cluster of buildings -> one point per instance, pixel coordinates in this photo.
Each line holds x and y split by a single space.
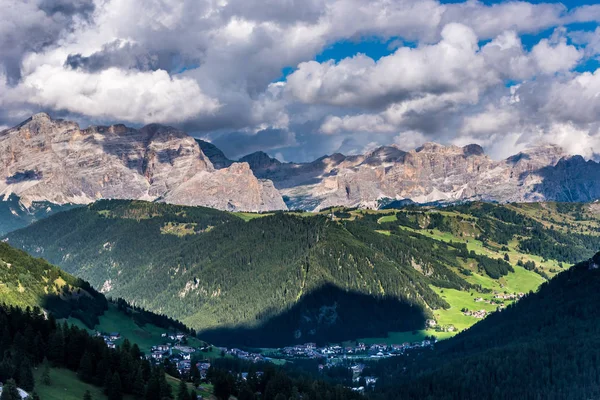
244 355
511 296
476 314
370 382
109 338
498 300
176 352
360 350
499 297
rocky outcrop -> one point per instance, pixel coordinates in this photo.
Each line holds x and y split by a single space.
433 173
261 161
50 160
216 156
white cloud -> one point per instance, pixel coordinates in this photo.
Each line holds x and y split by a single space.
129 96
209 66
554 58
360 81
409 140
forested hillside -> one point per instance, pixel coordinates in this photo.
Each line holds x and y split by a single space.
29 282
237 274
543 347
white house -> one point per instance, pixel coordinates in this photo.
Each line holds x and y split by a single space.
23 393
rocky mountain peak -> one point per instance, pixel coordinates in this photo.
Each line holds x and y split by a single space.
41 117
545 154
473 150
436 148
260 160
54 160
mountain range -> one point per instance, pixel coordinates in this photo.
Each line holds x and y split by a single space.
57 162
47 160
430 173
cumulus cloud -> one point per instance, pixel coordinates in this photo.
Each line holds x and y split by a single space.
32 26
215 67
407 73
129 96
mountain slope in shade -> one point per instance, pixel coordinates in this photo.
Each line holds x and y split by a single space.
218 159
15 215
543 347
55 161
430 173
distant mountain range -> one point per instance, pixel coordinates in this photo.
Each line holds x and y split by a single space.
55 161
430 173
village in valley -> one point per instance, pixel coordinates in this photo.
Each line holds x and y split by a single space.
176 350
187 355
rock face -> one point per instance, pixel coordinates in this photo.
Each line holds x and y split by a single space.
432 173
216 156
55 161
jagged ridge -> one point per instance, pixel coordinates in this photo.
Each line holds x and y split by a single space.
54 160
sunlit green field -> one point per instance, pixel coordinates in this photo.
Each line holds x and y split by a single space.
145 337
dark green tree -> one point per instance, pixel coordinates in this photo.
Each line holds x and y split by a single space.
86 368
115 391
46 373
26 381
182 392
138 388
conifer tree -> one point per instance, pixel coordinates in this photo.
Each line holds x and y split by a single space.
182 393
138 388
115 391
56 347
46 372
86 368
195 374
26 381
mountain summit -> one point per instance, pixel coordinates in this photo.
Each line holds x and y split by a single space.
44 159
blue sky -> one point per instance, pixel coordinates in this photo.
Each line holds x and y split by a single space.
376 48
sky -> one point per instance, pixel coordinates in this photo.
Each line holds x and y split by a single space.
303 78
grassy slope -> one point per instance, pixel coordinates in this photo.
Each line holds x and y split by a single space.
145 337
65 385
519 281
551 335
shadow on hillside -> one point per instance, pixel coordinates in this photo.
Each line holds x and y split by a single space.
328 314
86 306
